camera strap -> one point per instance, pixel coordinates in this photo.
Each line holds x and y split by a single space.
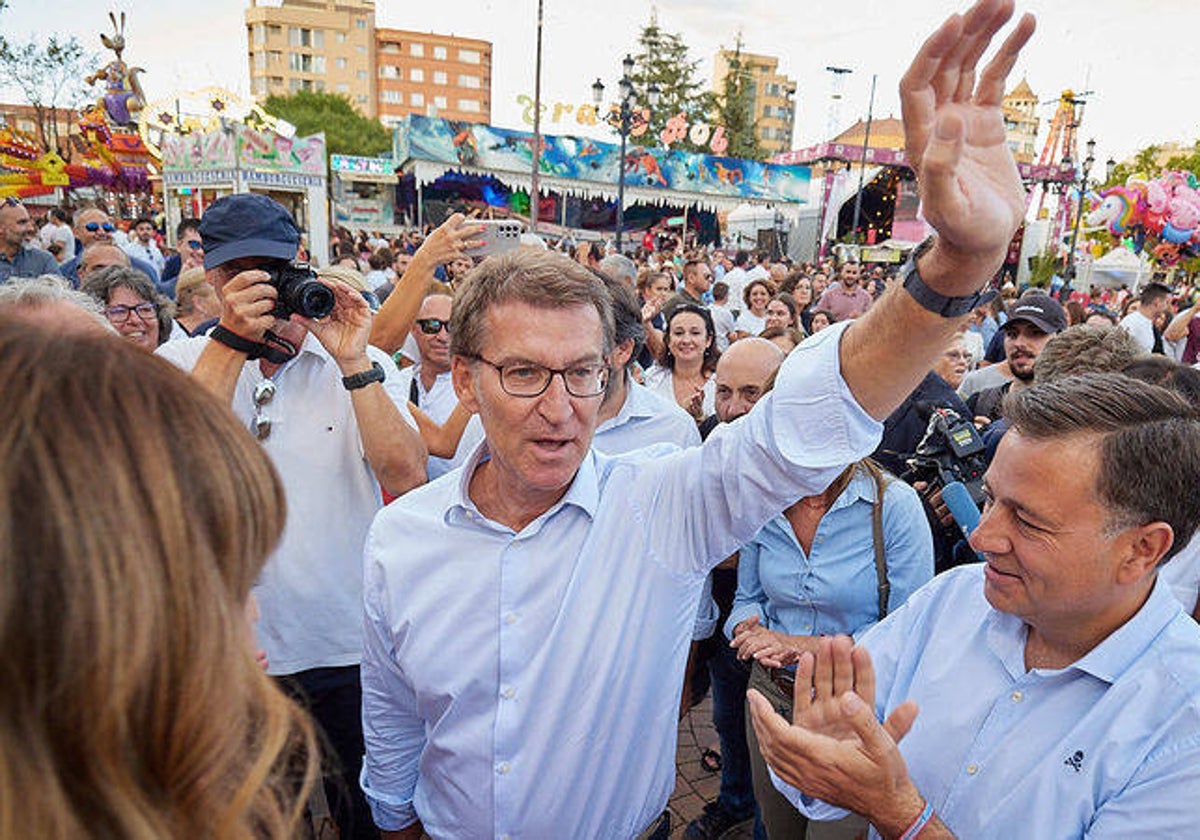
274 349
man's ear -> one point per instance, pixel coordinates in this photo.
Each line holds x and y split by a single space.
621 354
1147 545
462 374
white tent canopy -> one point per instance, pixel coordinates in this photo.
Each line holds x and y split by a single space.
1119 267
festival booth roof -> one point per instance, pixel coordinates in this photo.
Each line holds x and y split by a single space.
850 153
429 147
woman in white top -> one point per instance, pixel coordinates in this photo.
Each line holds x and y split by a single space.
753 319
685 371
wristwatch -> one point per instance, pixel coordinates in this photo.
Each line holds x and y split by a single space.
364 378
939 304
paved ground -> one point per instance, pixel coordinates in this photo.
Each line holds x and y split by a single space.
695 786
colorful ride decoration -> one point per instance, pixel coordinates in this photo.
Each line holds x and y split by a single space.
109 153
1160 216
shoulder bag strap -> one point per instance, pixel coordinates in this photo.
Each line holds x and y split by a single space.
885 588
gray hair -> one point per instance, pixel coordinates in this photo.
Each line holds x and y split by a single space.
36 292
100 284
542 279
619 267
1149 449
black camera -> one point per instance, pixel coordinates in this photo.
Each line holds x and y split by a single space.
300 291
951 450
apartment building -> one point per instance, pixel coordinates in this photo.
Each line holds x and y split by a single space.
773 96
436 75
326 45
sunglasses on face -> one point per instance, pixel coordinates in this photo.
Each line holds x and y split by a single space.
92 227
195 244
433 326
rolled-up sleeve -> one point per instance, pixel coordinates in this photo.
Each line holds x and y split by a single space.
794 443
750 600
393 733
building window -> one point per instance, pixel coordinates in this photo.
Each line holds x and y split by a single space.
274 31
393 97
416 74
439 101
259 33
362 98
260 61
416 99
469 105
388 71
340 37
361 74
260 86
469 56
300 62
360 23
467 81
343 88
439 53
318 39
341 64
416 50
390 47
439 77
318 64
299 84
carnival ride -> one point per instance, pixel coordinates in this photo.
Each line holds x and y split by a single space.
107 154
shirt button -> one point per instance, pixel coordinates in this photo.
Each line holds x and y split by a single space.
510 618
509 693
503 767
1017 696
972 769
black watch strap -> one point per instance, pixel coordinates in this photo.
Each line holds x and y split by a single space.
939 304
361 380
232 340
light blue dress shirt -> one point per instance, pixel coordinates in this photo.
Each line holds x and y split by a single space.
526 685
1108 747
835 588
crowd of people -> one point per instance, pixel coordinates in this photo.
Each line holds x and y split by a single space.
451 554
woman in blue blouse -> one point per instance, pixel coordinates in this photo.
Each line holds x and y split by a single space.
812 572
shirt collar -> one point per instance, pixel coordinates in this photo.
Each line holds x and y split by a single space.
1114 656
583 492
1108 660
635 407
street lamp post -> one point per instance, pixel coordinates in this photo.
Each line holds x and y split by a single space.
1083 180
625 119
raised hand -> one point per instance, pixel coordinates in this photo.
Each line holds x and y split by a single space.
344 332
970 190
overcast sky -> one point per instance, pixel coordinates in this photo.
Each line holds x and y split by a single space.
1133 55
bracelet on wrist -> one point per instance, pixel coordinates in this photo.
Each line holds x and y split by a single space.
919 823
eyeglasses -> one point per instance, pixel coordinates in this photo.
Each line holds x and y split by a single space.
958 354
120 314
433 326
92 227
528 380
12 201
195 244
264 392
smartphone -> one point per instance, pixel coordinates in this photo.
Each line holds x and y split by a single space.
498 236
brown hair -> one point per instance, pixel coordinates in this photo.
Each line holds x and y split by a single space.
542 279
132 705
1149 464
1085 348
186 286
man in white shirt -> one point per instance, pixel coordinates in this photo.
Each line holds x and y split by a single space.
326 408
142 245
1139 323
543 617
427 383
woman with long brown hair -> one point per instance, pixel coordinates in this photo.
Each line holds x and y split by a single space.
135 514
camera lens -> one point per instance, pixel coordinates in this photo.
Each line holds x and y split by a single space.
313 299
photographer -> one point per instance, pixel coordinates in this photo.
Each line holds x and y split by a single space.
327 410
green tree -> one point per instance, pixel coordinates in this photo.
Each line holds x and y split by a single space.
347 132
1145 162
735 109
662 59
1189 162
49 73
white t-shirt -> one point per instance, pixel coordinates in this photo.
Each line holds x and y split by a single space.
750 323
1141 328
310 592
724 323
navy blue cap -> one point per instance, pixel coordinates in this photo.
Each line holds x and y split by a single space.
247 225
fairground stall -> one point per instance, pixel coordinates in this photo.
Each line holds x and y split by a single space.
364 193
447 166
214 144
